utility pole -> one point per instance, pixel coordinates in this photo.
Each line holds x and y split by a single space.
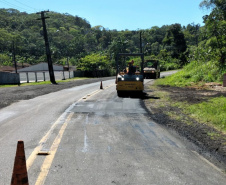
14 57
140 42
48 53
68 67
196 35
142 56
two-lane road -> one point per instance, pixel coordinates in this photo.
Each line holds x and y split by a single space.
94 137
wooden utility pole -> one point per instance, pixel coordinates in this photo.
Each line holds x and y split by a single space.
48 53
141 50
142 55
68 67
14 57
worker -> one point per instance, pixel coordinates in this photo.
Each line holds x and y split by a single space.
132 69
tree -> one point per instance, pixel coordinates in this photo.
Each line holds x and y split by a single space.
215 4
71 36
175 43
5 40
215 24
93 62
191 34
118 45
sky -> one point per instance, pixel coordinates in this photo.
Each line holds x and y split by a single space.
119 14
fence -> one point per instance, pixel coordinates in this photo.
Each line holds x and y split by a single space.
44 76
9 78
26 77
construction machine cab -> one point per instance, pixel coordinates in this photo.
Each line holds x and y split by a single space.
130 79
151 69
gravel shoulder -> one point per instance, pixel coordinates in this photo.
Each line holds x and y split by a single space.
9 95
211 146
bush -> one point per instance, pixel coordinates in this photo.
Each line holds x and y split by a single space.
169 64
5 60
195 72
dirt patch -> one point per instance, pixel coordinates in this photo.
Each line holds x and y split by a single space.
192 95
207 138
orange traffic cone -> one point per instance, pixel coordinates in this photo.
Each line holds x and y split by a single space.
19 176
101 86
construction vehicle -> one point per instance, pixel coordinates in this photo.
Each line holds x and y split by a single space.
130 79
151 69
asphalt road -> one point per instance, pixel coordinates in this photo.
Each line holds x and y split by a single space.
94 137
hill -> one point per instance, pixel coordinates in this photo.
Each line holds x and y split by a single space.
72 37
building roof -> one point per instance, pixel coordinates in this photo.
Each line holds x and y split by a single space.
7 68
12 68
41 67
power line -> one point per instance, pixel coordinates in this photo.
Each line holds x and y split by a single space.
25 5
15 6
12 5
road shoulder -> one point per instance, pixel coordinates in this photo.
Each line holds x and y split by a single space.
211 145
11 95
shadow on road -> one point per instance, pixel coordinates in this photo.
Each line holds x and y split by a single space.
136 95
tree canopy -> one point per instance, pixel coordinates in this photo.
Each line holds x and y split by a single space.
73 38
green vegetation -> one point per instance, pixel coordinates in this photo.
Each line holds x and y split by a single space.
207 55
195 73
73 38
201 49
213 111
207 59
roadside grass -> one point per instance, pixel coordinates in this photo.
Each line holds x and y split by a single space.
2 86
195 73
45 82
213 135
211 112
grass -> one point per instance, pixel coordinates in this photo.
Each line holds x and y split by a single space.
195 73
213 135
211 112
44 82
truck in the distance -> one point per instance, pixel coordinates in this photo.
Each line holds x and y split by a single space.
151 69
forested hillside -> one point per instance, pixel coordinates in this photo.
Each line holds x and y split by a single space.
207 58
73 38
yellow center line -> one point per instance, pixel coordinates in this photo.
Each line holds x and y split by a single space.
96 92
55 145
49 159
33 155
